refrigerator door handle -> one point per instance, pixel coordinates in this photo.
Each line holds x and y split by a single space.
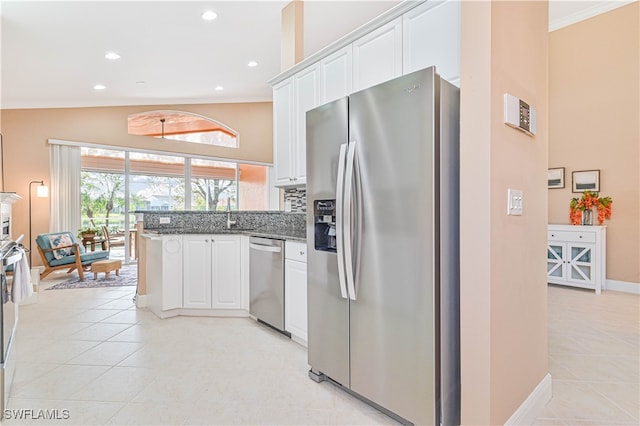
348 241
340 221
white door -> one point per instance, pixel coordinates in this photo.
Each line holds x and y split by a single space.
225 270
197 271
377 57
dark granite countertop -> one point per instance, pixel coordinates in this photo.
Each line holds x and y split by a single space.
269 232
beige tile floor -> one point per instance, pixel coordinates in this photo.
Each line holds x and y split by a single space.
594 358
92 353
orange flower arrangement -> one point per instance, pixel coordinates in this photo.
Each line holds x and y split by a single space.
589 200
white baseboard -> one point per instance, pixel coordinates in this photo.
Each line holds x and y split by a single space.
624 286
533 405
141 301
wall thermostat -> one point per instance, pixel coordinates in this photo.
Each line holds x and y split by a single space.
519 114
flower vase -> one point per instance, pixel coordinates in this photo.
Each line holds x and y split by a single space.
587 217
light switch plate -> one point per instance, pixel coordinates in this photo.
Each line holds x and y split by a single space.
514 202
287 206
165 220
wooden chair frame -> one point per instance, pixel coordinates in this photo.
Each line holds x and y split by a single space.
70 266
111 240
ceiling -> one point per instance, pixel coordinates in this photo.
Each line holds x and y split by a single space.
52 52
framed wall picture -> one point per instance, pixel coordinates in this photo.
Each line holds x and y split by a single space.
555 178
586 180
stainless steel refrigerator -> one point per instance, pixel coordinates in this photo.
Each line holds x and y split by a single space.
383 246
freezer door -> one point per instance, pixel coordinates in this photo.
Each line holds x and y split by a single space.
393 338
328 311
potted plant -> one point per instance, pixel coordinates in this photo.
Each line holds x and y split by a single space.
581 209
88 232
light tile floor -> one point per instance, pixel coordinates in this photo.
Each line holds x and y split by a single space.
92 353
594 358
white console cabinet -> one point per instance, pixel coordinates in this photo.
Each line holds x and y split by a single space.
576 256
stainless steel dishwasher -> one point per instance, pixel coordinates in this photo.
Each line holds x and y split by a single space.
266 281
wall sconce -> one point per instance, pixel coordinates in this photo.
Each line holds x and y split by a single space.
42 191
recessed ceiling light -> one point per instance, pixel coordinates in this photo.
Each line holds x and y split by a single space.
209 15
218 88
112 55
99 87
252 64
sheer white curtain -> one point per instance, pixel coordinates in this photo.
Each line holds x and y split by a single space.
65 188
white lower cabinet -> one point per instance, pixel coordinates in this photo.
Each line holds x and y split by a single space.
295 293
211 272
163 272
576 256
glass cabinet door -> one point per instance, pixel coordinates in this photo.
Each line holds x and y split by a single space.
555 260
581 264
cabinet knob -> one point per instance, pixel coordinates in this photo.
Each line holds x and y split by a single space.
579 236
553 235
206 241
301 253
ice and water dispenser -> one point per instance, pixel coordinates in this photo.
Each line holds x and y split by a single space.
324 219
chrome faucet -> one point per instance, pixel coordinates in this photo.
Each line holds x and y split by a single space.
229 221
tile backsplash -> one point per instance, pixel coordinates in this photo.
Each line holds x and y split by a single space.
298 199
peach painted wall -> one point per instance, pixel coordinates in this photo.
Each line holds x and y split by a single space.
594 123
503 279
27 152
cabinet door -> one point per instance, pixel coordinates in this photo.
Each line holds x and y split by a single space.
377 57
307 96
197 271
431 36
336 75
581 263
295 317
556 262
283 119
225 270
171 272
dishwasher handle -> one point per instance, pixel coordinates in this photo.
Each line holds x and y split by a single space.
260 247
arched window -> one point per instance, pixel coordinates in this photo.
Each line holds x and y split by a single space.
182 126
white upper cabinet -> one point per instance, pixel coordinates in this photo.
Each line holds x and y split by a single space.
413 36
431 36
336 75
283 131
307 96
377 57
292 99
